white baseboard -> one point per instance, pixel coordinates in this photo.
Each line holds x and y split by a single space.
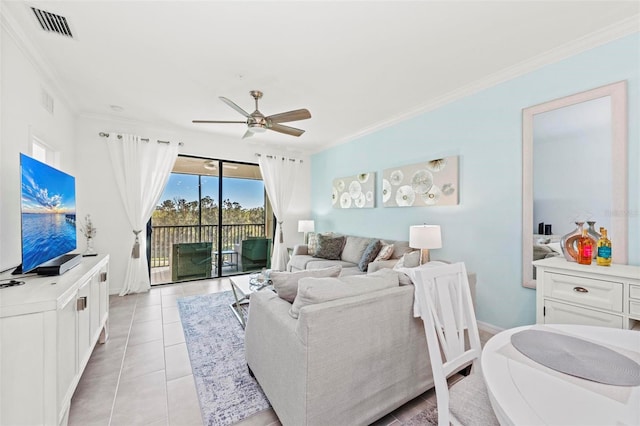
489 328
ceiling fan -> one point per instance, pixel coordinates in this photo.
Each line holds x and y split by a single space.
258 123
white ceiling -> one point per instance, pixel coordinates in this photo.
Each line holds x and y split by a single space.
356 66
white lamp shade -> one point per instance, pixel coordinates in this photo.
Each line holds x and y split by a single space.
425 237
306 226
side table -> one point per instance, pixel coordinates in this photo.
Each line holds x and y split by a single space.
242 287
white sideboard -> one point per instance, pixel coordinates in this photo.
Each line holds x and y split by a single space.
570 293
48 329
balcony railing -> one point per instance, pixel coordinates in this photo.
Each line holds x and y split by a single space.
163 237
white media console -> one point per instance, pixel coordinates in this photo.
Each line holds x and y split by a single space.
48 329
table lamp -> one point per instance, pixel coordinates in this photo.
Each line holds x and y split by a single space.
425 237
306 226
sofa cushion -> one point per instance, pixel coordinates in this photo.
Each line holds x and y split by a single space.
376 265
300 261
384 275
407 275
369 254
329 247
385 253
286 283
354 247
318 290
318 263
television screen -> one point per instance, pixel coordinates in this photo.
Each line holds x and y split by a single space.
48 213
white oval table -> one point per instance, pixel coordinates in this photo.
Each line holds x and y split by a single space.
523 392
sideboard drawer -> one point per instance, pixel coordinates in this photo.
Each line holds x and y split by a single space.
634 291
562 313
584 291
634 308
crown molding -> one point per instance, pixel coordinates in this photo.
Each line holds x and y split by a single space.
597 38
10 24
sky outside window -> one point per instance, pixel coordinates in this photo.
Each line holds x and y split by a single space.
249 193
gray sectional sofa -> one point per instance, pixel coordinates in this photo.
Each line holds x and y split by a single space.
347 361
352 252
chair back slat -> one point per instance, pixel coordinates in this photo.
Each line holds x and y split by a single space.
443 300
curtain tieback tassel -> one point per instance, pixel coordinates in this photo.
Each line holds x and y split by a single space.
135 252
281 233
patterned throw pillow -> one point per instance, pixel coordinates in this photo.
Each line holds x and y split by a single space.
385 252
369 254
312 245
329 247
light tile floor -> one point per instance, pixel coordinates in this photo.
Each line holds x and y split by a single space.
142 374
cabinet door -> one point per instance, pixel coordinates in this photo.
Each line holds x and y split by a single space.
84 324
104 293
94 306
562 313
67 350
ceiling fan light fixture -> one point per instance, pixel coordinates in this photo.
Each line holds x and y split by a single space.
257 128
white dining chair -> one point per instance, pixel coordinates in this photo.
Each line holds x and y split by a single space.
443 300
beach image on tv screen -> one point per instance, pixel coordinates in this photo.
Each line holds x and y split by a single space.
48 213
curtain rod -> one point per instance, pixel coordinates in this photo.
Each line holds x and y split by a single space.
106 135
273 156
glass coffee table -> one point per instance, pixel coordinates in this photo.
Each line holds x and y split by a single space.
242 287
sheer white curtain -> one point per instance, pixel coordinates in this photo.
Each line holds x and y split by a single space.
279 175
141 170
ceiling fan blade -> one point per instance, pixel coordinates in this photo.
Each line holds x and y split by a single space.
214 121
234 106
284 117
247 134
286 130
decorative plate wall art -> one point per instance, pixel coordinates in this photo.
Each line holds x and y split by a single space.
430 183
354 192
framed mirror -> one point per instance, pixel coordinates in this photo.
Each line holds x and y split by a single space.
574 168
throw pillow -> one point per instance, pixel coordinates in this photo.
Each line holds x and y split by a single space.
312 244
318 290
286 283
385 252
329 247
409 260
369 255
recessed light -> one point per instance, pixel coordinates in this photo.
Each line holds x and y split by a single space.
116 108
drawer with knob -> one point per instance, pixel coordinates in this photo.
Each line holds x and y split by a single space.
595 293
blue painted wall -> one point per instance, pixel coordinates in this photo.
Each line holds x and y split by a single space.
484 129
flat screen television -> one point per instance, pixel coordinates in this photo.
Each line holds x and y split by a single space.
48 213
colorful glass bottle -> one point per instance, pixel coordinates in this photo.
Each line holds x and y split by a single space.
594 235
604 249
585 249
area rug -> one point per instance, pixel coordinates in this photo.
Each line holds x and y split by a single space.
215 342
427 417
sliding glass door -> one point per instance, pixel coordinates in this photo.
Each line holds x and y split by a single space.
212 221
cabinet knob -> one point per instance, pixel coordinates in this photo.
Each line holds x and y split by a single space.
580 290
103 277
81 303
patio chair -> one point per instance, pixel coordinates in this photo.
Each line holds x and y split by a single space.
255 254
443 300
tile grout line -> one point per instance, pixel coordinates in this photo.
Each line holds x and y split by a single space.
124 353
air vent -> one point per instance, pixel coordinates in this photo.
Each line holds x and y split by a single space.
52 22
47 101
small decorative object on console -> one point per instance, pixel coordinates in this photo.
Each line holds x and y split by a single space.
603 256
593 234
89 231
585 249
568 243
